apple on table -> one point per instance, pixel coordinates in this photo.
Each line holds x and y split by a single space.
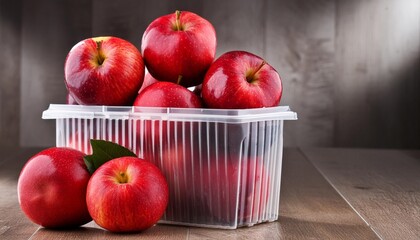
52 188
127 194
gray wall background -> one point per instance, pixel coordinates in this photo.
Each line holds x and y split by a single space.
351 69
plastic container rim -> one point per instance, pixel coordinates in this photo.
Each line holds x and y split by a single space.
62 111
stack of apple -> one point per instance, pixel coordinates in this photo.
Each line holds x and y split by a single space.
178 50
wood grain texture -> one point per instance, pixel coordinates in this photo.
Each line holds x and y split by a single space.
49 30
10 39
382 186
309 209
377 74
93 231
300 44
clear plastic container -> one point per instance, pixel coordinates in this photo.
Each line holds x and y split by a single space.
223 167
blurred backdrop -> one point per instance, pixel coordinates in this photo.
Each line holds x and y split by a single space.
350 69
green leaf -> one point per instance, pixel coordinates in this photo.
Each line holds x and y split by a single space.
103 151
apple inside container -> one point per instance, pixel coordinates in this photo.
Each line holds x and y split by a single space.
211 176
231 191
177 163
211 181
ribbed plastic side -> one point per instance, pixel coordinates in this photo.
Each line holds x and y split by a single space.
221 175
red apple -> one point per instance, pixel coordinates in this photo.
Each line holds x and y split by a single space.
167 94
179 48
148 80
104 71
127 194
240 79
52 188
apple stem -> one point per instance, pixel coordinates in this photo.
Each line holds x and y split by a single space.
259 67
177 22
250 76
179 79
100 58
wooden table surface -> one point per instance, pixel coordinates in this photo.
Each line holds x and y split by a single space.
325 194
